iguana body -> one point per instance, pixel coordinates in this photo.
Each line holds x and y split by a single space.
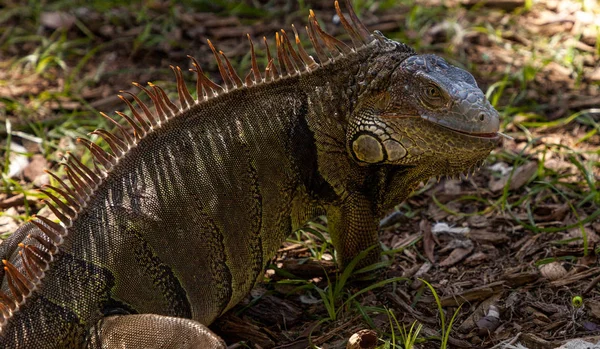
179 226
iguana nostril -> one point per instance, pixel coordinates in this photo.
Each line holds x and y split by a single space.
481 117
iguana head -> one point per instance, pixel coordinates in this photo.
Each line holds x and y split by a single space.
423 113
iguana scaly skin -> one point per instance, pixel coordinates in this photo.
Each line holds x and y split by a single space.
174 226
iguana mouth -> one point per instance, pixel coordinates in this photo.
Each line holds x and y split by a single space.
486 135
491 136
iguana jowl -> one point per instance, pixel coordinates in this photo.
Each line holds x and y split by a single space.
175 225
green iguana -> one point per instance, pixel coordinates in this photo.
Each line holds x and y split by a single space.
175 224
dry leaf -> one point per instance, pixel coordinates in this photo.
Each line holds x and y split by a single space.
520 177
456 256
428 240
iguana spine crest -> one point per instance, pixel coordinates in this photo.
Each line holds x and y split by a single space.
84 181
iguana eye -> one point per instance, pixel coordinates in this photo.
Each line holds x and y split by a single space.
432 96
433 92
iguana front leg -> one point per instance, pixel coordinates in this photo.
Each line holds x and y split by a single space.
354 226
152 331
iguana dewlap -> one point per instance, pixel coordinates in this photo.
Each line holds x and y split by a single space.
175 224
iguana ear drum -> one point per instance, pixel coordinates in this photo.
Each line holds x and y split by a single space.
368 148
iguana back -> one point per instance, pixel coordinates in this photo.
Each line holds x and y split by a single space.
174 226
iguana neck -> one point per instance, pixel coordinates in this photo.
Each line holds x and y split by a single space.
332 94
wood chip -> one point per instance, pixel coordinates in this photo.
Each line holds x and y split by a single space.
308 269
457 255
474 294
487 237
576 277
15 201
523 278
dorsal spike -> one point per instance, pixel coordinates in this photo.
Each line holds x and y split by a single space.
138 132
334 45
104 158
36 259
151 118
224 75
63 218
309 62
282 57
257 77
165 101
5 312
115 144
159 103
201 91
36 267
66 209
126 136
85 173
49 245
27 266
89 173
80 187
8 301
204 81
67 188
14 289
70 200
248 80
41 253
140 120
362 31
162 115
269 74
274 71
237 82
288 46
185 98
53 230
21 282
99 172
356 39
312 36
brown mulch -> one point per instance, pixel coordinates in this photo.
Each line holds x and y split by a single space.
485 259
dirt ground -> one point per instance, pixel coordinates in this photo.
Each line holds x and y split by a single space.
515 244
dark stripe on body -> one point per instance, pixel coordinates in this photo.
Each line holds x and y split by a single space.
163 278
255 214
302 146
221 275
